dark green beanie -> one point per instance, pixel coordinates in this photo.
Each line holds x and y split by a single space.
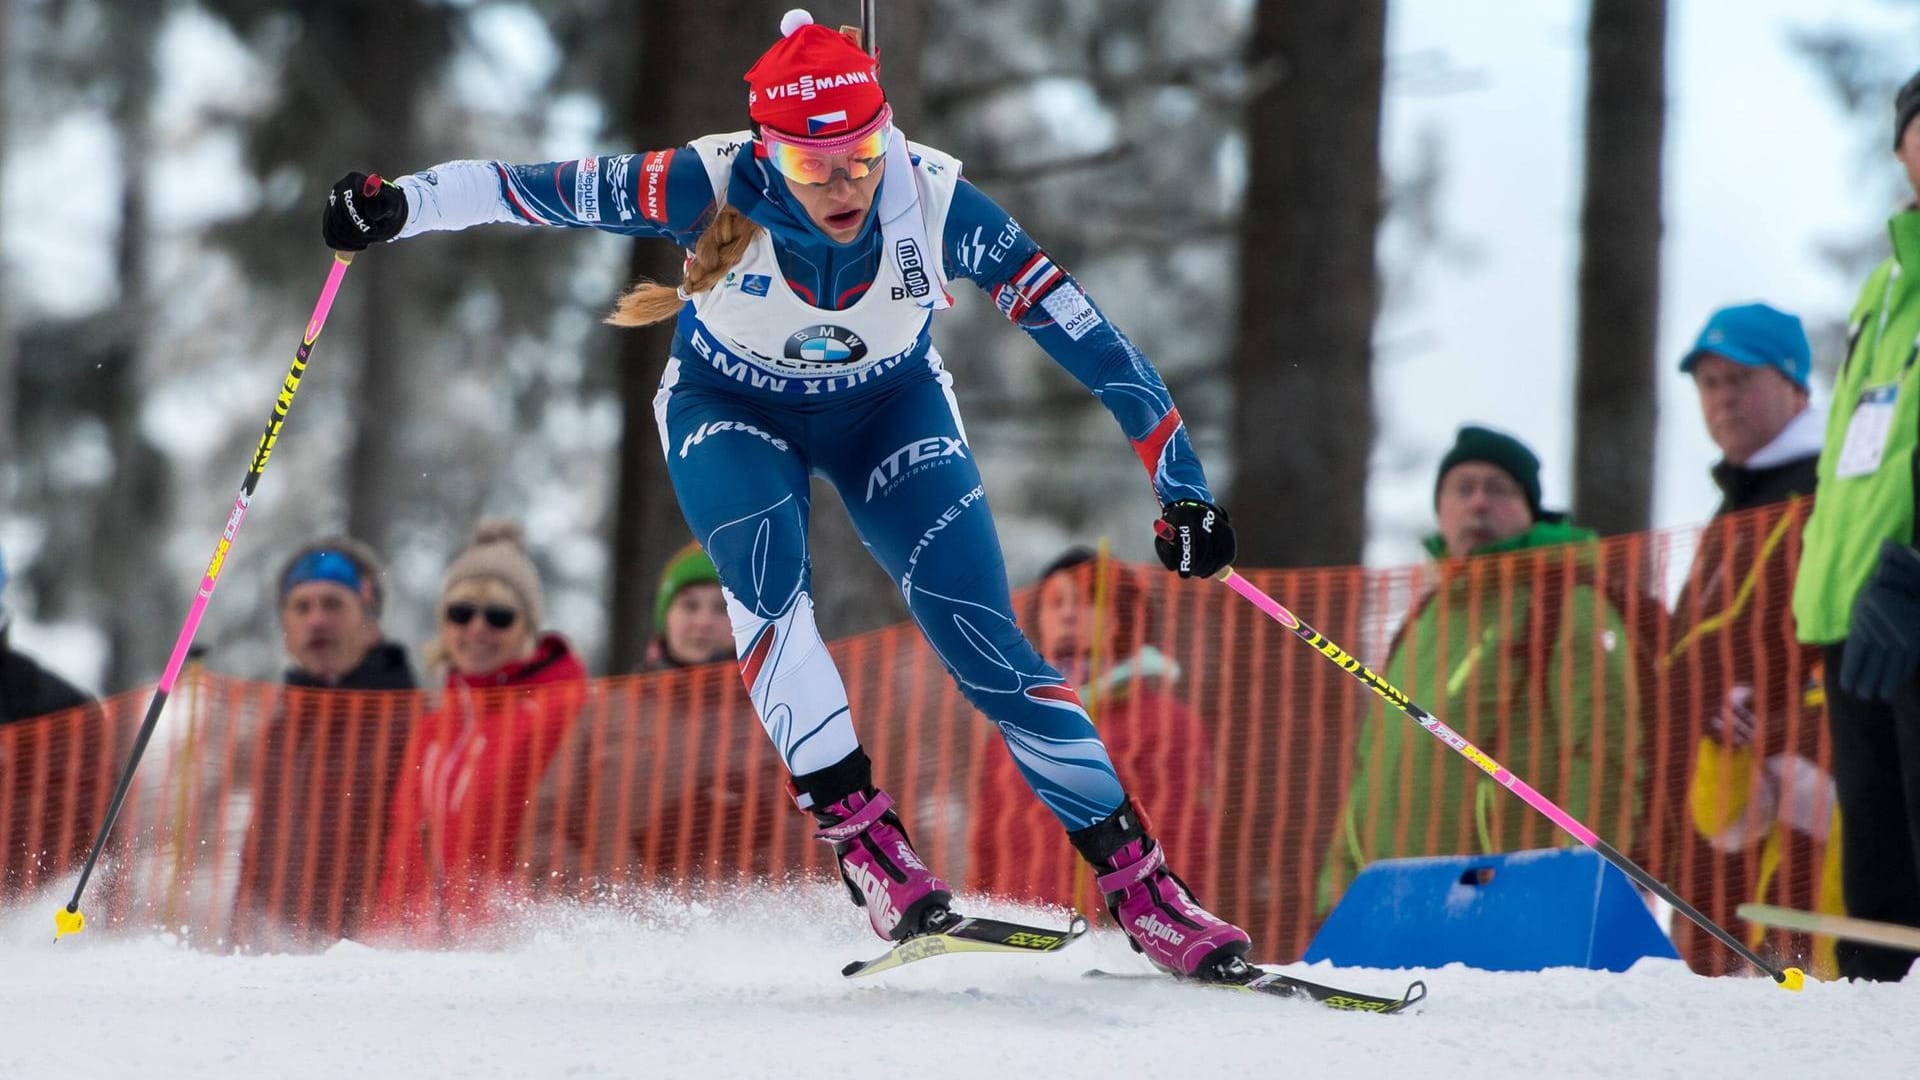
1503 452
1906 105
689 566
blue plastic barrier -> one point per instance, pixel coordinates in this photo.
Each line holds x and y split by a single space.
1524 911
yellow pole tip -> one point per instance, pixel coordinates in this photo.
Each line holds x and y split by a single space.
66 921
1793 979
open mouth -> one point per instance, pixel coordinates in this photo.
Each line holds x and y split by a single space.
845 218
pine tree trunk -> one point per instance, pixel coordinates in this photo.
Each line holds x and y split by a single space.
9 342
386 84
1303 421
129 598
685 84
1619 288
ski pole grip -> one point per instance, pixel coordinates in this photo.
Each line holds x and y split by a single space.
372 187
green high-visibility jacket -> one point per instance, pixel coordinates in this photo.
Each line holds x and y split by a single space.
1853 514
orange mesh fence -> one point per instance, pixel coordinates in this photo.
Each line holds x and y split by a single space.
1649 684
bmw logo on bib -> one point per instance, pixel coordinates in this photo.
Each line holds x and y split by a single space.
826 345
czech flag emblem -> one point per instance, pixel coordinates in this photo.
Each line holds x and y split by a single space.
826 123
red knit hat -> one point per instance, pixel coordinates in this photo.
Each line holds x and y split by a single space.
814 82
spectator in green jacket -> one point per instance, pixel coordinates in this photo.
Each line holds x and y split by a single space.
1858 590
1523 655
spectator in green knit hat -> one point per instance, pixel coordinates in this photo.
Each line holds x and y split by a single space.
690 620
1487 493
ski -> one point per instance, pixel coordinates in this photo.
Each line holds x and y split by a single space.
964 934
1250 979
1890 935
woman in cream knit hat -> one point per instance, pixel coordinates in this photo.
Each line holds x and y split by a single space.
512 692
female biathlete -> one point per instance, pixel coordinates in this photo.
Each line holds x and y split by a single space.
820 244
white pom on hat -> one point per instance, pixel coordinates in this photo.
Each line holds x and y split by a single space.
794 20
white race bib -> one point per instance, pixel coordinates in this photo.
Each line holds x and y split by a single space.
1867 432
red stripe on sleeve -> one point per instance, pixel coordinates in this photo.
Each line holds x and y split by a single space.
1150 447
506 182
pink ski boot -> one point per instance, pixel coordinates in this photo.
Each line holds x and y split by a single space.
877 861
1153 906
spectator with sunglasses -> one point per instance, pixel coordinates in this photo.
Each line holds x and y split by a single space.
324 754
820 245
511 692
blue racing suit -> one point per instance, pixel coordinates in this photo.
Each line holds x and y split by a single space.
799 364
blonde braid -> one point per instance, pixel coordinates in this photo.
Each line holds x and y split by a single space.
718 251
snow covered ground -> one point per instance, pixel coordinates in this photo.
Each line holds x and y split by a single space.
751 988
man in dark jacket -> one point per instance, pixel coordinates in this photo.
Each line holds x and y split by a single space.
28 690
53 772
327 760
1746 705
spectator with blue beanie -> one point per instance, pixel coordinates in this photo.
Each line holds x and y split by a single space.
1750 365
326 754
330 599
1745 700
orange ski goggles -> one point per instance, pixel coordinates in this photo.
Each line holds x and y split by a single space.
817 161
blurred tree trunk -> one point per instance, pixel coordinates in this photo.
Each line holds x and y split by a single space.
1620 225
9 344
382 83
1303 421
684 83
127 601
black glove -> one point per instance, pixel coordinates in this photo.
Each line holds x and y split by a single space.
1194 538
1883 641
362 210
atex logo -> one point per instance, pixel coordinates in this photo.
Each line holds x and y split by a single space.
918 454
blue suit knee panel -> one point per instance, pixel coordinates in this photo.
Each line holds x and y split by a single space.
762 557
1047 730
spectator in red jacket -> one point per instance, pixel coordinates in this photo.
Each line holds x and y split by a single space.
511 694
1160 749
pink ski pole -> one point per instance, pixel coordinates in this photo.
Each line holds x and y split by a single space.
69 920
1790 978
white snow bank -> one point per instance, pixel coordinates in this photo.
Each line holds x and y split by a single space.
672 988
